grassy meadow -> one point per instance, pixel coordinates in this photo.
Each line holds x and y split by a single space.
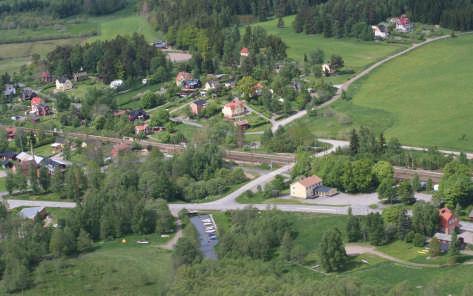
423 98
23 43
357 54
112 269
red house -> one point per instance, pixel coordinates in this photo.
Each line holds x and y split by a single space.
244 52
448 221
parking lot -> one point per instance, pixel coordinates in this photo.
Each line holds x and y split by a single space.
207 230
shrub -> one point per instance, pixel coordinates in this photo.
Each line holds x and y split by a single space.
419 240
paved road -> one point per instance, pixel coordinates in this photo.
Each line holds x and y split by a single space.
15 203
229 202
343 87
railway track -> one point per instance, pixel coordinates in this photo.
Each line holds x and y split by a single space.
233 155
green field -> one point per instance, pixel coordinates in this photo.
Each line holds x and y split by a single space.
423 98
14 55
113 269
112 27
357 54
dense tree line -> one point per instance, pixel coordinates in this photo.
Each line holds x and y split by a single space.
394 224
61 8
341 18
126 58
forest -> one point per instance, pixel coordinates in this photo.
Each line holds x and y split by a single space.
61 8
126 58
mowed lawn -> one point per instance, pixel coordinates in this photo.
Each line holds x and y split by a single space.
357 54
109 28
113 269
427 93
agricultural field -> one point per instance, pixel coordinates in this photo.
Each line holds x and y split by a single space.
422 98
113 268
41 41
357 54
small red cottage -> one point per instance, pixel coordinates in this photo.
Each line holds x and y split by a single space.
181 77
244 52
448 221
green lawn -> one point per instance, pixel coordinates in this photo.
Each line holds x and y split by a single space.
357 54
113 269
423 98
60 31
2 185
127 25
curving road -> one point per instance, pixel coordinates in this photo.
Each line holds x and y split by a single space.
348 83
229 202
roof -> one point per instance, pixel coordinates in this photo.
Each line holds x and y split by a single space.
200 102
54 162
235 103
244 50
141 127
36 101
63 79
402 20
467 237
324 189
30 213
445 214
183 76
23 156
8 154
443 237
310 181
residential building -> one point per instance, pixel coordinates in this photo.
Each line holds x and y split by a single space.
311 187
403 24
197 106
448 221
212 85
138 114
181 77
55 164
379 32
9 90
242 124
191 84
160 44
35 102
234 108
143 129
28 94
63 84
11 133
81 75
46 77
244 52
327 69
38 108
115 84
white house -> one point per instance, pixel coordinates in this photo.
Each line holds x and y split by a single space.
378 33
63 84
10 90
116 84
234 108
327 69
311 187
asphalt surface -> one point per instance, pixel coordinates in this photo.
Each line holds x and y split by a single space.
207 245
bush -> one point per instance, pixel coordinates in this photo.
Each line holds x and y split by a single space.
419 240
410 237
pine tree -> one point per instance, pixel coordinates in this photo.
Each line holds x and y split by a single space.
354 142
353 227
84 242
286 246
44 178
333 256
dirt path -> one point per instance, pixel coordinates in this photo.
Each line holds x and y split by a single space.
173 241
355 249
